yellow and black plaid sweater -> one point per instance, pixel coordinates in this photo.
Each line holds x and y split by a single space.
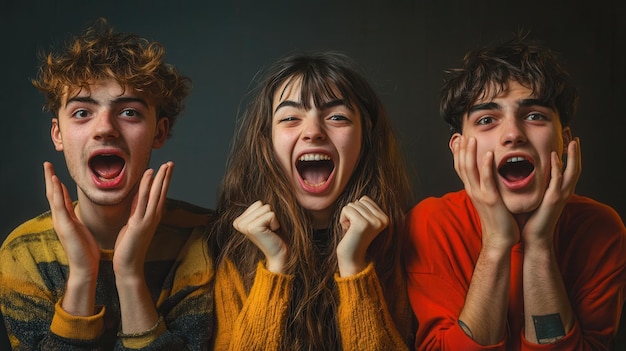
179 274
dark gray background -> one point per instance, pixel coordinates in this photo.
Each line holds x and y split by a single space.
403 47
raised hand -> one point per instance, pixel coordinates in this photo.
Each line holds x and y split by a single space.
259 224
540 227
361 221
134 238
81 249
500 230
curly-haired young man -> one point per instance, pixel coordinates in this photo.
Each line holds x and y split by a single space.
123 267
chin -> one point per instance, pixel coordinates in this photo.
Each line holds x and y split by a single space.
521 206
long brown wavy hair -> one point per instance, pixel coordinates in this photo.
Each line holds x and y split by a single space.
101 53
254 173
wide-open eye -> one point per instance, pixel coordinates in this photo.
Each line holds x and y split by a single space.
485 120
130 113
81 114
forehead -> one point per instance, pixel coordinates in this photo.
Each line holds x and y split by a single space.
309 93
290 89
512 89
103 89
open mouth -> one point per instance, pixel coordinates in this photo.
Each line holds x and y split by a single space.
516 168
315 169
107 167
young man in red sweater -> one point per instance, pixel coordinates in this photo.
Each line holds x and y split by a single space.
516 260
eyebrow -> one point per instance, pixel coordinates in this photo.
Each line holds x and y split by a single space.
299 105
119 100
496 106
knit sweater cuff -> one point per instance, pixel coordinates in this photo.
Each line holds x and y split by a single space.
265 311
361 301
364 317
271 288
77 327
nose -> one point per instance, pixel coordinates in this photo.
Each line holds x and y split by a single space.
513 132
313 130
106 126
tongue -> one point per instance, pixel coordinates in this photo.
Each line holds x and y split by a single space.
513 177
517 171
107 167
314 175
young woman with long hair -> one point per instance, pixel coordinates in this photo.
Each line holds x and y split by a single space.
311 216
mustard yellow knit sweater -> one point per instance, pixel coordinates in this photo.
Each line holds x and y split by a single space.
255 321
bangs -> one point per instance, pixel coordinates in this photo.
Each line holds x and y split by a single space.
319 88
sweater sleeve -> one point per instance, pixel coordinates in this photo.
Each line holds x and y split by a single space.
364 319
33 271
30 297
185 303
591 245
255 321
439 263
590 242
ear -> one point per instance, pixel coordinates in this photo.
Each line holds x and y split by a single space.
161 132
453 139
567 137
55 134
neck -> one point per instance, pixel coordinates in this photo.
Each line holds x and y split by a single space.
521 219
103 222
320 218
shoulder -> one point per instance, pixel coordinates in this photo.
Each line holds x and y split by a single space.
36 230
450 218
183 214
455 203
581 210
587 224
33 242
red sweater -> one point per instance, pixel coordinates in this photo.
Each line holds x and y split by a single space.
445 240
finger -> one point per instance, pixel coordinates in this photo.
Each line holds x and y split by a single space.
486 172
373 210
251 218
158 190
347 217
143 194
54 193
69 204
246 214
48 171
262 223
166 184
460 161
470 166
456 149
556 174
574 165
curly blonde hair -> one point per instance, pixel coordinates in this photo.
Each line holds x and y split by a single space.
100 53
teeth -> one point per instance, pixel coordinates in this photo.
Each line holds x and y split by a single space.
515 159
314 157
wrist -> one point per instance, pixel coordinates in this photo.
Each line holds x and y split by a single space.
79 298
350 266
276 262
129 281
